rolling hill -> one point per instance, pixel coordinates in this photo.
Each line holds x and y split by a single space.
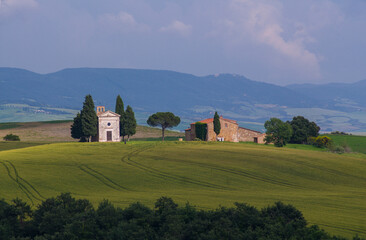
340 96
33 97
328 188
59 131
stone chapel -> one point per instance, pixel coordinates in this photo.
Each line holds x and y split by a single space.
108 125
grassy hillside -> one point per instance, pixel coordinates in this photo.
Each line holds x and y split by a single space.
328 188
16 145
59 131
356 143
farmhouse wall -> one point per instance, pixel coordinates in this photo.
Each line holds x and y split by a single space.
191 133
247 135
229 131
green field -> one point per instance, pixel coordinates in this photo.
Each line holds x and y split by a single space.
328 188
356 143
16 145
9 125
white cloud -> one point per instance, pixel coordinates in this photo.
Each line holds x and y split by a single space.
7 7
262 22
178 27
122 21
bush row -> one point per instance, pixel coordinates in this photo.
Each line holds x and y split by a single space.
64 217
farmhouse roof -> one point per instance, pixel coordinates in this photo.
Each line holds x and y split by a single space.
251 130
210 120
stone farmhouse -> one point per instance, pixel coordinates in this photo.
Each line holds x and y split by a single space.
108 126
230 132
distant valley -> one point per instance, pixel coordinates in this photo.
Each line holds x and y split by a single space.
29 96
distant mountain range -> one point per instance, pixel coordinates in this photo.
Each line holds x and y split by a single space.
29 96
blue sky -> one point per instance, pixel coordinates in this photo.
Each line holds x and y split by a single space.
280 42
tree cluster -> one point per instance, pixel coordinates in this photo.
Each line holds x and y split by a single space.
299 131
302 130
85 125
340 133
277 132
64 217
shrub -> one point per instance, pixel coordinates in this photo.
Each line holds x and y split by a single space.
323 141
11 137
311 140
347 148
344 148
339 149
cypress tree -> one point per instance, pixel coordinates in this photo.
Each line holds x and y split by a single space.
216 123
120 110
76 130
89 119
129 122
123 126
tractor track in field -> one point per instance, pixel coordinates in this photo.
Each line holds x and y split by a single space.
28 189
242 173
331 171
127 159
102 178
345 229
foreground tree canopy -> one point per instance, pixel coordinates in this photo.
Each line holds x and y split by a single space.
65 217
164 120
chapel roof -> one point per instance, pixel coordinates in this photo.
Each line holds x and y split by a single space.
108 113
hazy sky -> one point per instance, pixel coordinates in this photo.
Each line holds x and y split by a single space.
281 42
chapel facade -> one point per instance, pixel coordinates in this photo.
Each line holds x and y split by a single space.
108 125
230 132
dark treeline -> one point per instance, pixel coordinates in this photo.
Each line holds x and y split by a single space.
65 217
